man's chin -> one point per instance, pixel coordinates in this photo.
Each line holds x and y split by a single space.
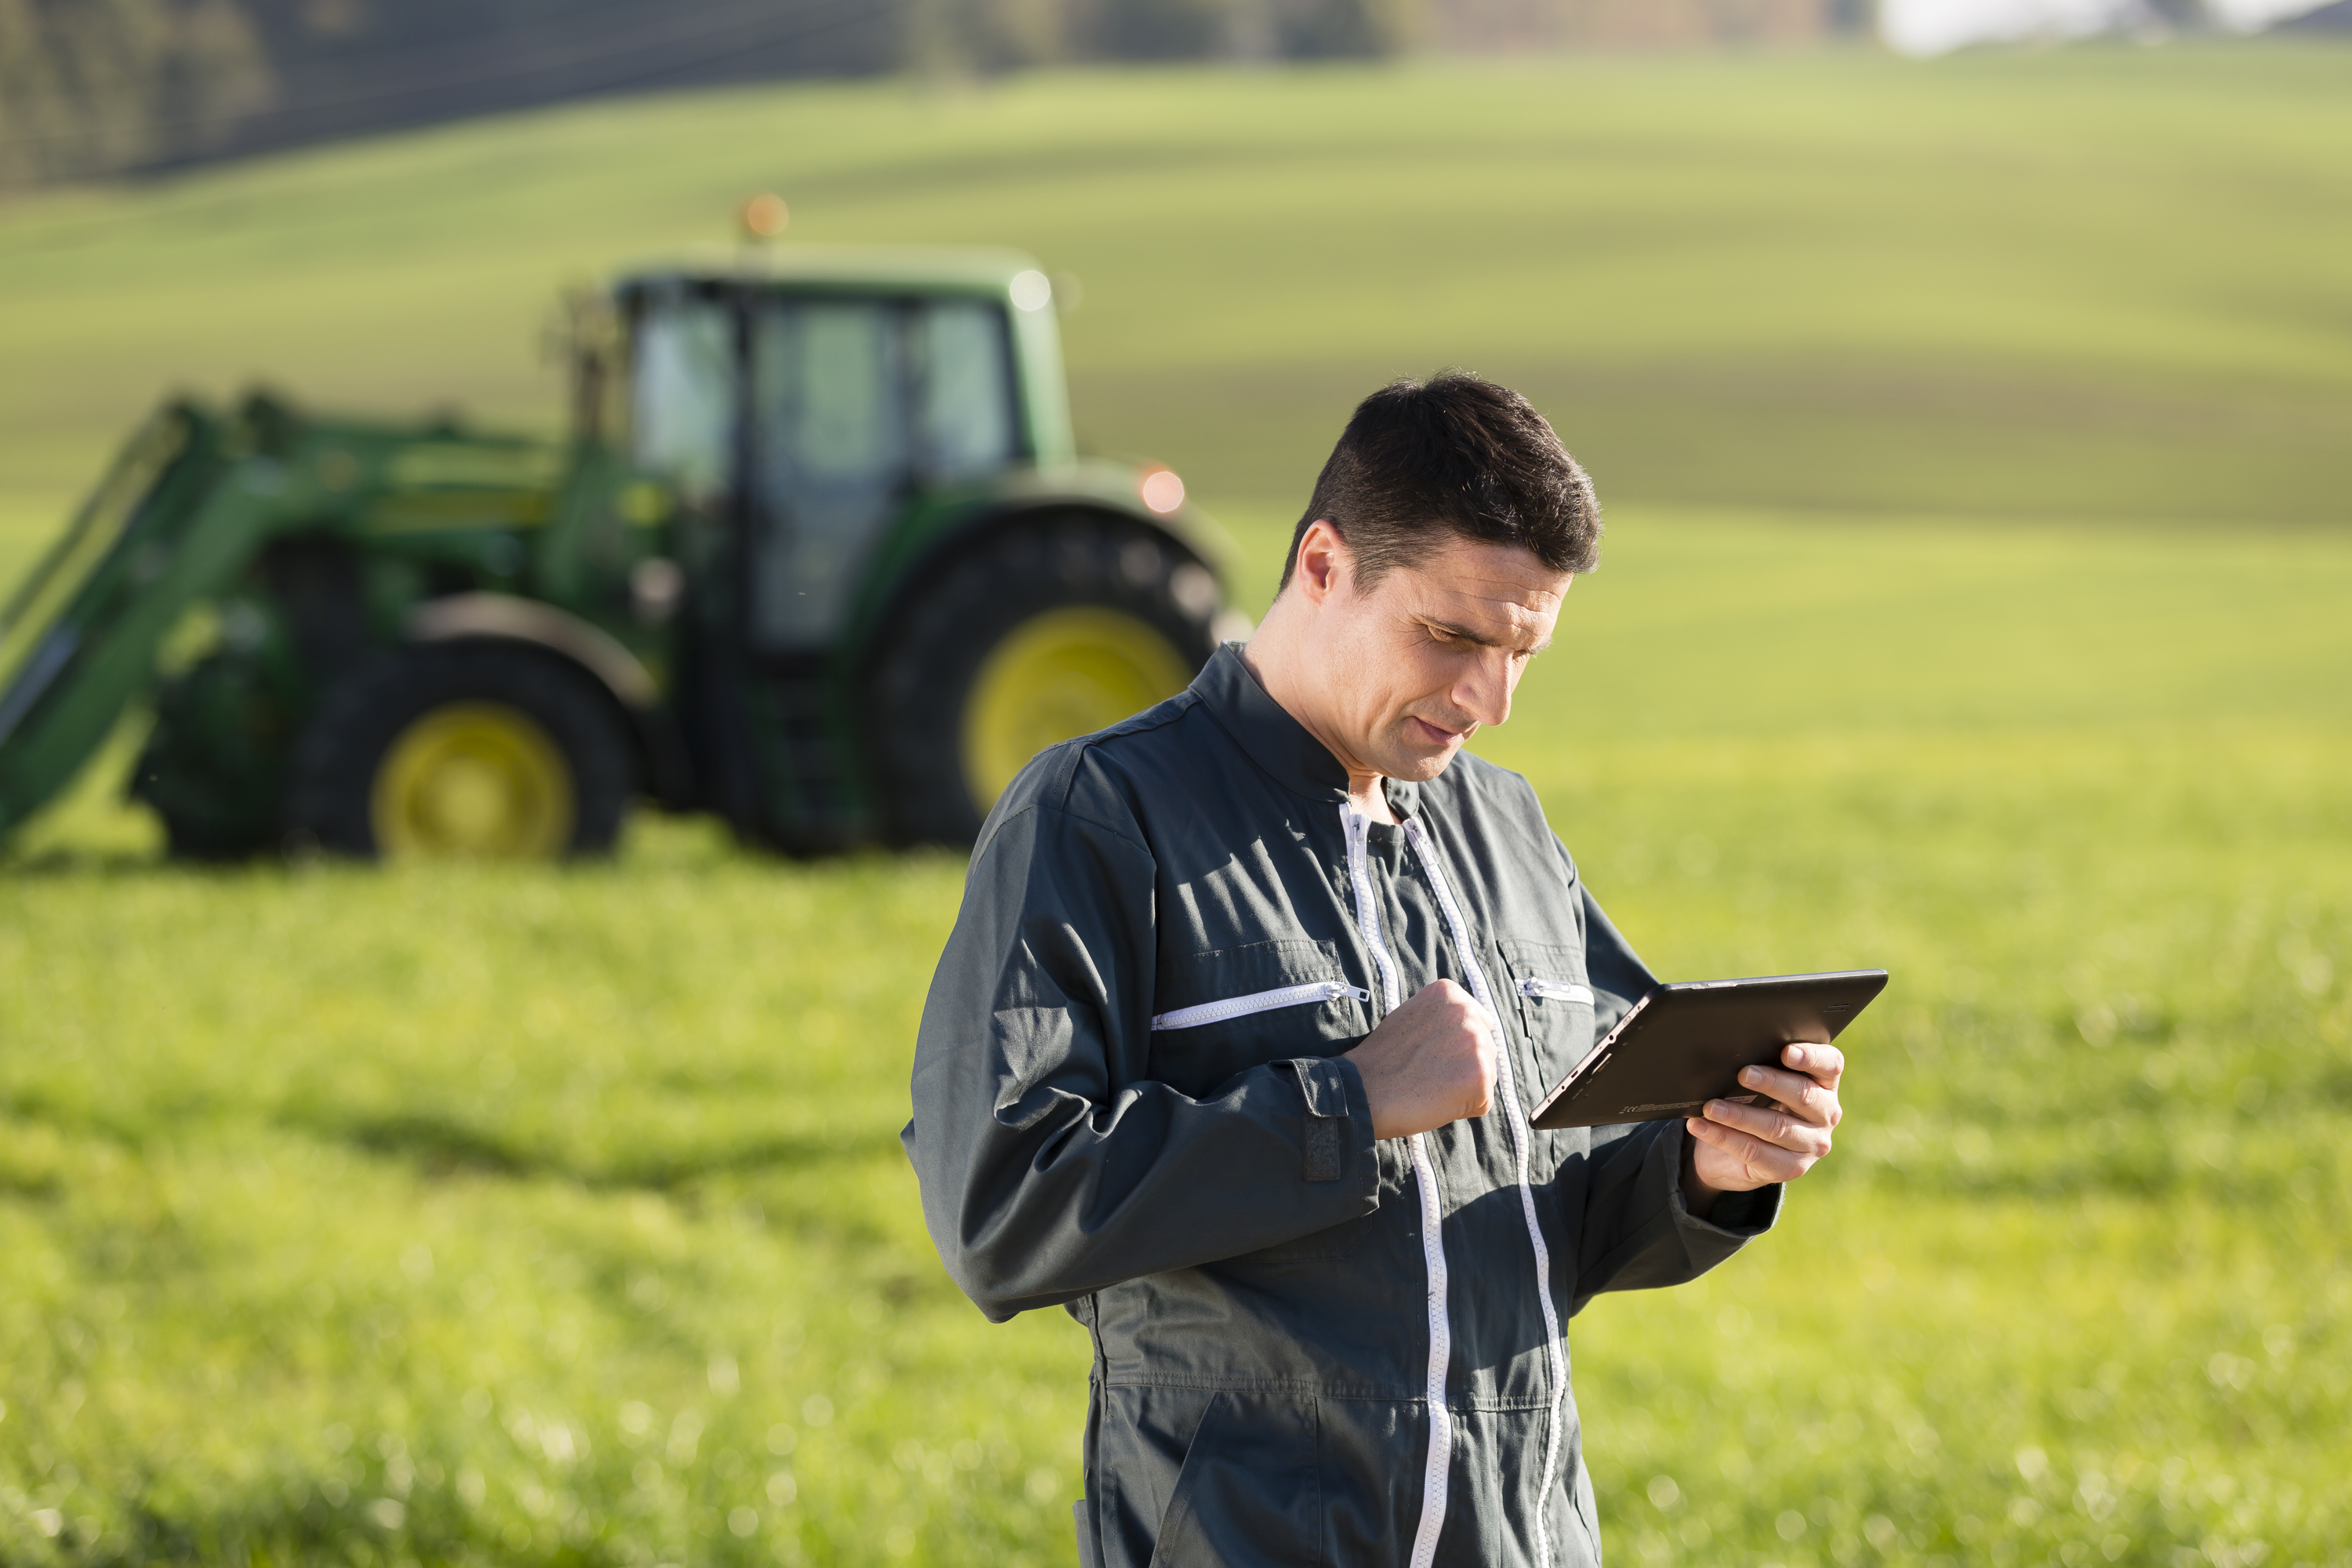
1419 764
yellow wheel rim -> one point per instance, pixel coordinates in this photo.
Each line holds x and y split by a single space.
473 780
1063 673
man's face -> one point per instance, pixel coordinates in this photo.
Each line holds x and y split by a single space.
1407 671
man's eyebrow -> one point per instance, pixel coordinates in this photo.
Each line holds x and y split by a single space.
1453 630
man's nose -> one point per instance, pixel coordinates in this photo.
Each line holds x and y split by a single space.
1485 692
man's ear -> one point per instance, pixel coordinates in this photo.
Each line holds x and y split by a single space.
1322 558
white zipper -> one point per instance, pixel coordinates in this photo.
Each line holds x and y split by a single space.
1556 991
1439 1465
1521 1136
1368 914
1259 1002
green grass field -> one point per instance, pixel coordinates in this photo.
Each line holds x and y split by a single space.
1977 436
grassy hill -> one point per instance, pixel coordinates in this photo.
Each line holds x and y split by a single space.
1975 437
2095 282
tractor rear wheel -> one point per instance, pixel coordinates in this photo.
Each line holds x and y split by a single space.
1036 635
462 751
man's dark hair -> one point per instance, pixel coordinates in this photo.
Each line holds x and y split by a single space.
1454 457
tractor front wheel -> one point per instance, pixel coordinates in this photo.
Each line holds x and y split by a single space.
1038 634
462 751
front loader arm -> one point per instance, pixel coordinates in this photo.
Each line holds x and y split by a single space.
182 510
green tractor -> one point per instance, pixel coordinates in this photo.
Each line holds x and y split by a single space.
819 556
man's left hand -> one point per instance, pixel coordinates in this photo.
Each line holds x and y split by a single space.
1737 1148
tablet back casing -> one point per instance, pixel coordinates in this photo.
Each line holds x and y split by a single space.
1685 1045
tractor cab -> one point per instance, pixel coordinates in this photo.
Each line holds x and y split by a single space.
810 410
853 439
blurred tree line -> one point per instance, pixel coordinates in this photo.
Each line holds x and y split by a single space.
92 86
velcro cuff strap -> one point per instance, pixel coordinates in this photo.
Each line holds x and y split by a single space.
1324 1141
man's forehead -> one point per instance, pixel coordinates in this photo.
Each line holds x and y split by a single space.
1505 589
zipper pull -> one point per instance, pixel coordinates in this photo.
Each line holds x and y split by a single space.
1531 988
1335 989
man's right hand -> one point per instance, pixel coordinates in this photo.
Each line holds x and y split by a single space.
1432 1061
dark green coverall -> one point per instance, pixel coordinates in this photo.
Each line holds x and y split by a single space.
1310 1346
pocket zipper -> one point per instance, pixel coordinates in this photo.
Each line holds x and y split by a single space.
1556 991
1258 1002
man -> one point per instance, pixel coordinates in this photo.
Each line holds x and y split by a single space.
1233 1048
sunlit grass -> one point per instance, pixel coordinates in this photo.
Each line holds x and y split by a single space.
2096 1376
492 1214
484 1215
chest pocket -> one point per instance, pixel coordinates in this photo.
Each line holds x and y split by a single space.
1221 1013
1554 1003
1224 1012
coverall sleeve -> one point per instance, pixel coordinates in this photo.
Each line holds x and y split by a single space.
1637 1232
1051 1165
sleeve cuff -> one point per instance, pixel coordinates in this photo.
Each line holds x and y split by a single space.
1738 1216
1335 1134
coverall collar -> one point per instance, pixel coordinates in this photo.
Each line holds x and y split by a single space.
1278 742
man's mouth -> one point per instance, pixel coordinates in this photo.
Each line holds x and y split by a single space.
1435 736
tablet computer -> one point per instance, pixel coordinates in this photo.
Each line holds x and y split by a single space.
1684 1045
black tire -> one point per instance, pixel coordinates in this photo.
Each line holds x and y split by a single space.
336 761
214 767
938 641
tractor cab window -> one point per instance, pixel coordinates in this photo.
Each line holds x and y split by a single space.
682 396
854 404
967 412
